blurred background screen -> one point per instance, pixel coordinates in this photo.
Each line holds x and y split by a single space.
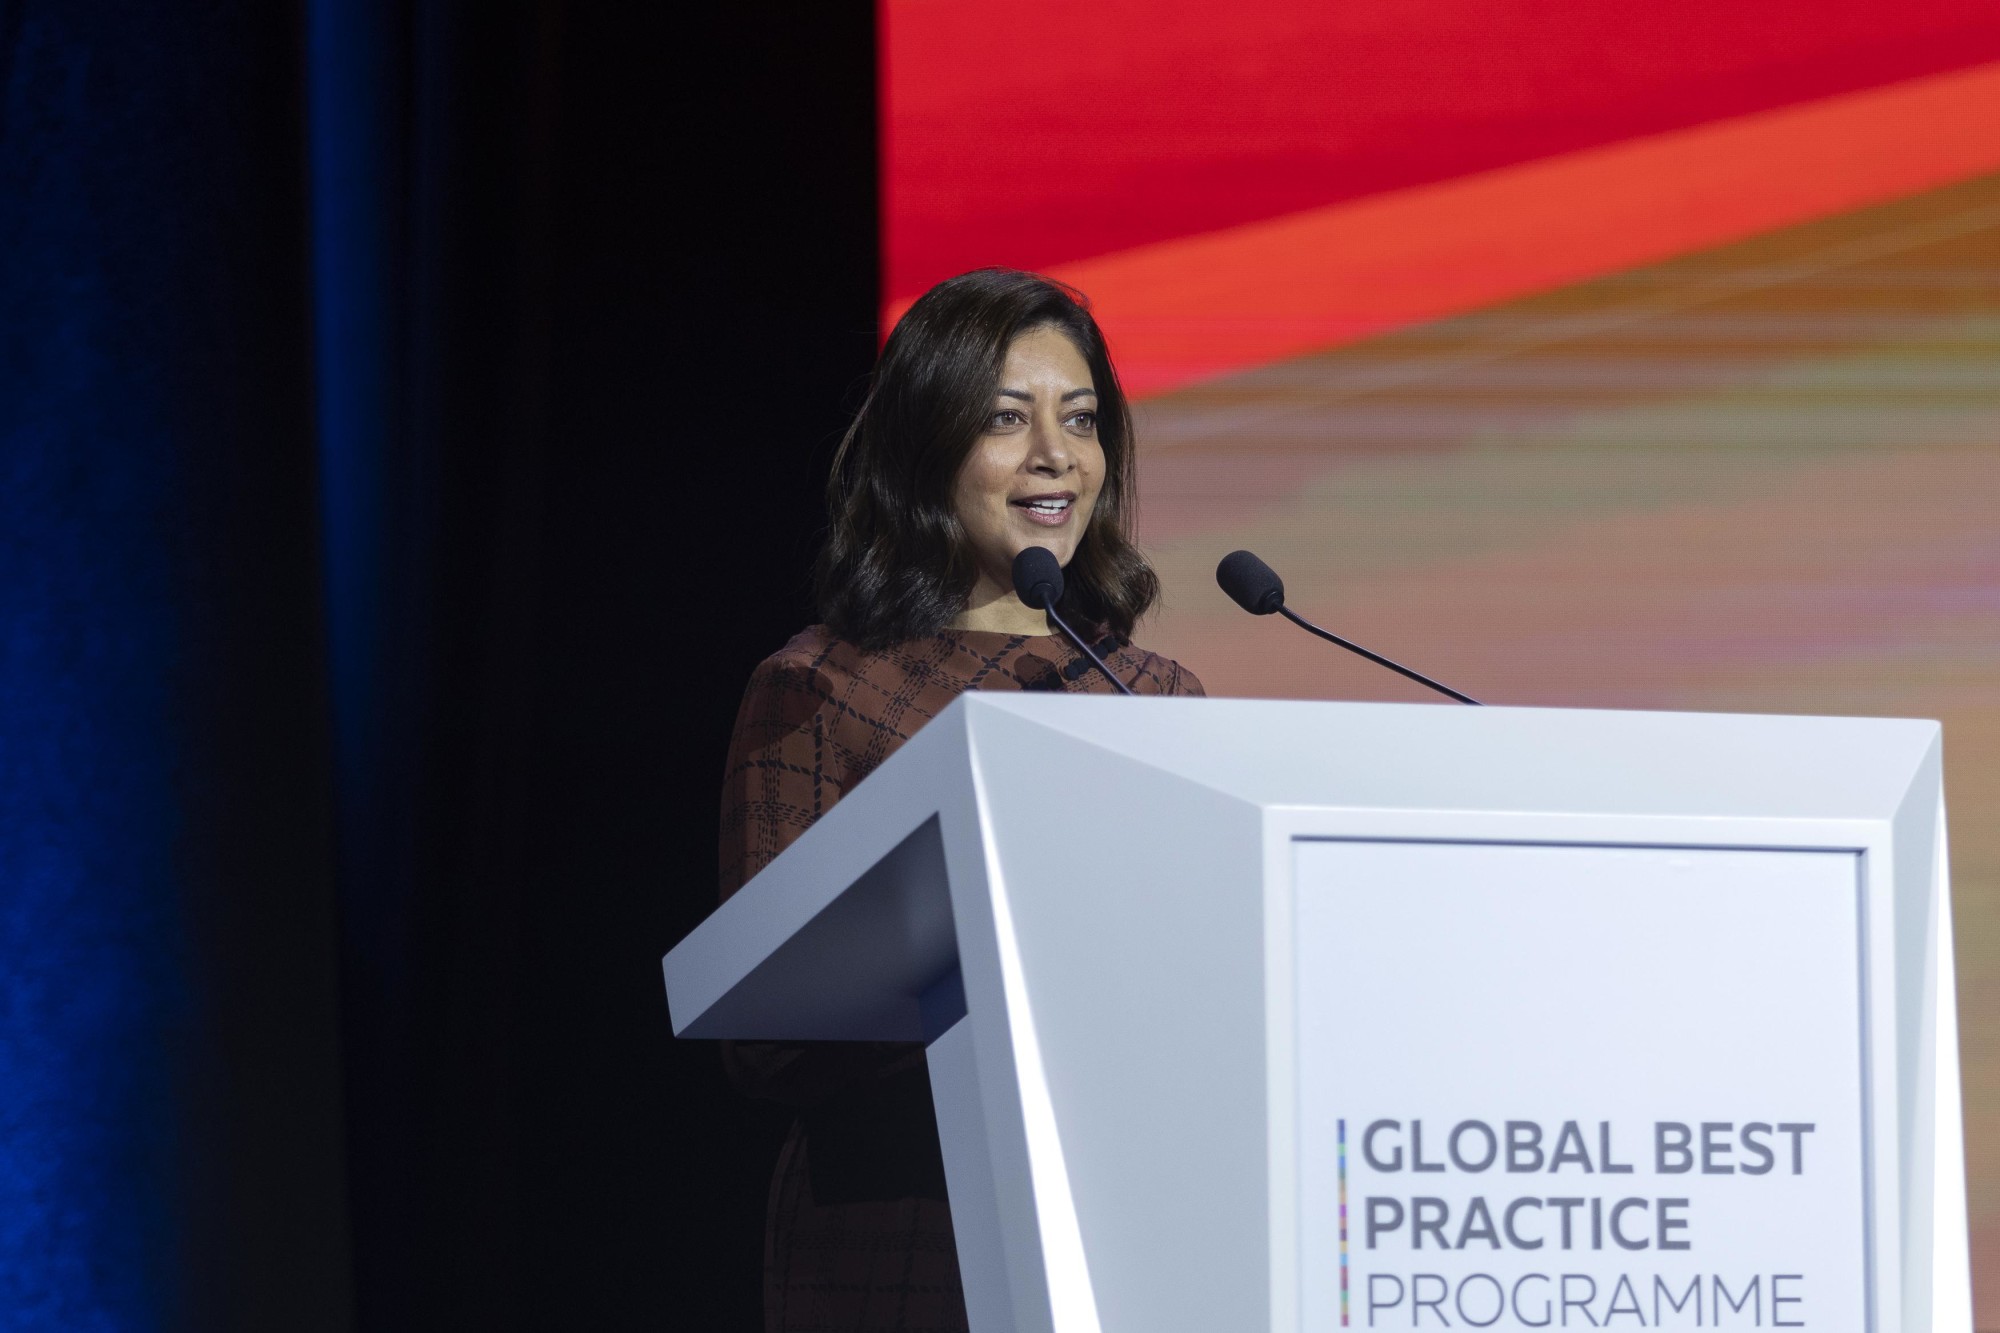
1579 355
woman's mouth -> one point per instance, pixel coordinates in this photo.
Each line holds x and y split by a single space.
1050 511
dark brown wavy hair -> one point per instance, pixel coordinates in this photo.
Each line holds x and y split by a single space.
896 564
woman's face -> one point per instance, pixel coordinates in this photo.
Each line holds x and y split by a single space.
1033 476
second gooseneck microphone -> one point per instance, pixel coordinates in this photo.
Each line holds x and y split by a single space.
1038 581
1256 587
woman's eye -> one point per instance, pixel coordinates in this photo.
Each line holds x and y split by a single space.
1007 416
1086 421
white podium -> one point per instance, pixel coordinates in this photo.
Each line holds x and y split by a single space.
1252 1015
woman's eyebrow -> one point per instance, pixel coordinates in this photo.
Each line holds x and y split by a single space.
1026 397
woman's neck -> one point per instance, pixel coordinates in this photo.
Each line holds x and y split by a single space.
998 610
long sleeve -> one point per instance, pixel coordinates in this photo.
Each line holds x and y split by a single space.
777 781
780 778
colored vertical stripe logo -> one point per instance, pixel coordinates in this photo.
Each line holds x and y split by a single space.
1341 1131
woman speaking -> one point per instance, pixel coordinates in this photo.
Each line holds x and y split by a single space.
994 422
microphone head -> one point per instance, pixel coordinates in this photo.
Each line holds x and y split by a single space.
1038 577
1250 583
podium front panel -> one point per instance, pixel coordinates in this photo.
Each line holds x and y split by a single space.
1545 1086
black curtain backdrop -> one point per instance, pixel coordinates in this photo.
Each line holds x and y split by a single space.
171 1124
414 418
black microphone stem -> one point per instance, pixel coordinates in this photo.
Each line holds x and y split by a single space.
1377 658
1084 648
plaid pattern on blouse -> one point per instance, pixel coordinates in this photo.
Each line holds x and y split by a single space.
858 1236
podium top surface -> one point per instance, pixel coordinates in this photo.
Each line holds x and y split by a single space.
1403 769
1452 757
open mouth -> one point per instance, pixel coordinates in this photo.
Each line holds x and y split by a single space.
1049 510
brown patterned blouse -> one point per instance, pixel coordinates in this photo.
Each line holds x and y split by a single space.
858 1237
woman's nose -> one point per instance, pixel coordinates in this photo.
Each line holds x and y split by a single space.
1049 450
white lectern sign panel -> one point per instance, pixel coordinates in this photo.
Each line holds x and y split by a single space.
1566 1086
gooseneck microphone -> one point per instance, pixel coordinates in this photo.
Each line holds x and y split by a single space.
1256 587
1038 581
